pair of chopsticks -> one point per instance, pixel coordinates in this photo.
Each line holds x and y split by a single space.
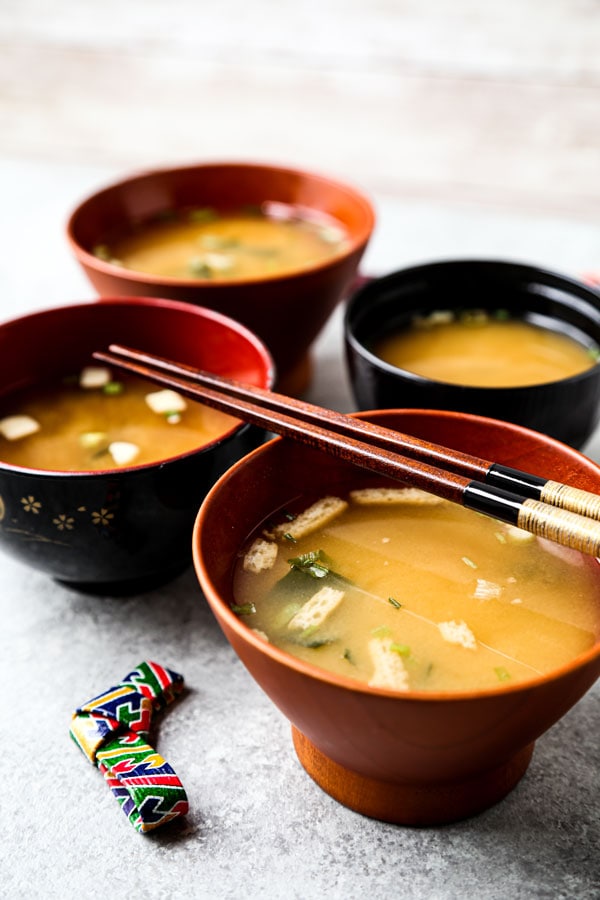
549 509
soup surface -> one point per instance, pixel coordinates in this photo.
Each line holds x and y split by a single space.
404 591
204 244
481 350
106 424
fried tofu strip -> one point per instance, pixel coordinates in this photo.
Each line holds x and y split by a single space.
260 556
320 513
399 496
317 609
389 671
458 633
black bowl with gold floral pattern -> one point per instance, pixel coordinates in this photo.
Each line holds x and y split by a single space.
120 530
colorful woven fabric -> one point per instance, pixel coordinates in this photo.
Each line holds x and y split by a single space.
112 730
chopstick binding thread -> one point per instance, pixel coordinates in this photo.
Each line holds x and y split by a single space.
546 508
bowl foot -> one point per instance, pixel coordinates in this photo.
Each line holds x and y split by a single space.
296 381
406 803
127 587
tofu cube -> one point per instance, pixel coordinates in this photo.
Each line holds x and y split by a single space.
165 401
93 377
123 452
13 428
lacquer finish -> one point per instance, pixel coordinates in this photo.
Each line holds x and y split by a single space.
379 752
568 409
286 311
118 530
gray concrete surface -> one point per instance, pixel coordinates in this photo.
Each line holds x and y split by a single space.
475 129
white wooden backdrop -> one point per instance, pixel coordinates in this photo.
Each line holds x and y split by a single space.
495 104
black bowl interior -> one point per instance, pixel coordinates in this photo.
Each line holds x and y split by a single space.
567 409
526 292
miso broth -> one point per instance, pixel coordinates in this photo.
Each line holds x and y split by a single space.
483 350
108 424
404 591
206 244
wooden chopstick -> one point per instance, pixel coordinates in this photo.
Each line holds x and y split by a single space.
369 446
516 481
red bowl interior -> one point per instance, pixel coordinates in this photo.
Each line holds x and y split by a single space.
225 186
287 311
60 340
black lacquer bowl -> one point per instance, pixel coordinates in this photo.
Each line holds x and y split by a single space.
122 530
568 409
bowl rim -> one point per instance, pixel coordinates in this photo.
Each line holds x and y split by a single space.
343 682
361 349
354 243
157 302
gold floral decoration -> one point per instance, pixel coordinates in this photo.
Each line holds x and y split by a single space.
30 504
64 522
102 517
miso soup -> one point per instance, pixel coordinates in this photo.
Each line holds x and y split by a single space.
206 244
93 421
400 590
483 350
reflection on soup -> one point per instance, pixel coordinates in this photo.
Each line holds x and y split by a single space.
91 421
483 350
401 590
204 244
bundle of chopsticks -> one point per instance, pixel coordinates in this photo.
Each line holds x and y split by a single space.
546 508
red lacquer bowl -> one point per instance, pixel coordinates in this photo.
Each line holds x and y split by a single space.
118 531
286 311
414 758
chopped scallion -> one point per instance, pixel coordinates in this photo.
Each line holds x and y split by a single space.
246 609
304 635
199 268
112 388
317 643
381 631
305 639
394 602
202 214
311 563
91 440
502 673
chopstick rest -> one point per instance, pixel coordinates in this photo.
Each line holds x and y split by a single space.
112 731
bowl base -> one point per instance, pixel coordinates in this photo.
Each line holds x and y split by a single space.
126 587
404 803
296 381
